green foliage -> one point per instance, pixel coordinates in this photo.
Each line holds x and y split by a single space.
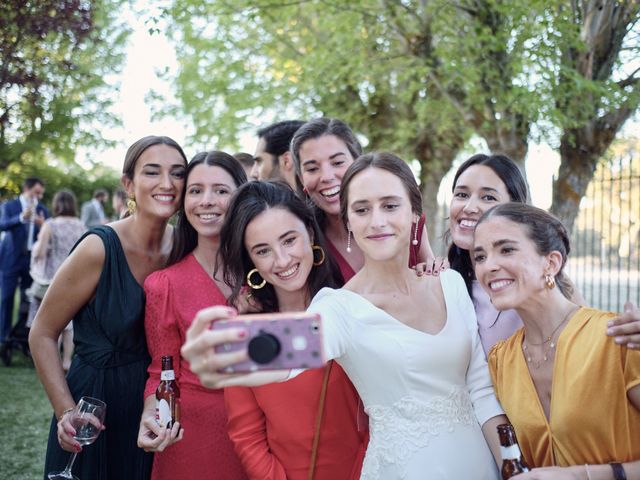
57 58
57 175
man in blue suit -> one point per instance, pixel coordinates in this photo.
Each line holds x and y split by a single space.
20 222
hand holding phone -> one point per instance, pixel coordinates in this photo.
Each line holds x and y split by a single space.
275 341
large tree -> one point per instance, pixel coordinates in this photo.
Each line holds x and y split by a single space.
414 77
598 85
56 57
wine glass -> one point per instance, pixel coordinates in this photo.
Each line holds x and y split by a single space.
87 419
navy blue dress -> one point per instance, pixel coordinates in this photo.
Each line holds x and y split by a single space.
110 363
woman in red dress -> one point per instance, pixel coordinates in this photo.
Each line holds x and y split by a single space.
174 295
275 239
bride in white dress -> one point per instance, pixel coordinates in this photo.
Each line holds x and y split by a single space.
408 343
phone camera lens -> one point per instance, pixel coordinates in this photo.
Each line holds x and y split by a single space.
263 348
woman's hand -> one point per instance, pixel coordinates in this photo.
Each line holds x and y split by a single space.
433 266
246 302
66 432
199 351
626 327
151 436
577 472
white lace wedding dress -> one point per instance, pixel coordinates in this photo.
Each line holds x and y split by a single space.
426 395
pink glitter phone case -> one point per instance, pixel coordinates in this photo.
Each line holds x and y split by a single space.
276 341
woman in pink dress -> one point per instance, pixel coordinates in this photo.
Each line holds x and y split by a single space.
174 295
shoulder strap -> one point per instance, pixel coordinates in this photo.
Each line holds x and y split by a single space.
316 436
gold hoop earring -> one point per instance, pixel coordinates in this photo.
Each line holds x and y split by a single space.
317 248
349 241
549 282
131 204
255 286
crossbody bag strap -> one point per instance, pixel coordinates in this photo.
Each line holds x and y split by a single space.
316 436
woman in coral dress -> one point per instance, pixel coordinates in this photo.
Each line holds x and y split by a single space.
174 296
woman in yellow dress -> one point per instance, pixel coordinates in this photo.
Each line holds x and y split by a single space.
572 394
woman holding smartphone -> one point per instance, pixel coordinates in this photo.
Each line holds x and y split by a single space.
571 393
173 296
423 378
306 428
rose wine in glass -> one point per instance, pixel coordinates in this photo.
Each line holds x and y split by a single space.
87 419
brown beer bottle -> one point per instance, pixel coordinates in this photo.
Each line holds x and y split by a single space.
512 461
167 395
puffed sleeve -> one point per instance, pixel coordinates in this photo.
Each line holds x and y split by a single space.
161 328
479 383
247 429
336 328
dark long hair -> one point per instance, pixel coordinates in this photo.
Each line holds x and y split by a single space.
516 185
247 203
185 237
546 232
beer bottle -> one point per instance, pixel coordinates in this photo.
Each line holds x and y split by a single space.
512 461
167 395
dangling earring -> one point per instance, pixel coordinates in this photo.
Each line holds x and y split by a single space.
317 248
549 282
255 286
131 204
414 242
348 240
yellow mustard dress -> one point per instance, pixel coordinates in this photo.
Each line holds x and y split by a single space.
591 419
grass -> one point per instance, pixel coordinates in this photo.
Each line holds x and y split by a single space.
25 413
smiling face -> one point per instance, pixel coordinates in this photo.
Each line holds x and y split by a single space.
158 179
323 162
507 263
477 190
279 246
380 215
208 191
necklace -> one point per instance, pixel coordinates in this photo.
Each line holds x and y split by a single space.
549 340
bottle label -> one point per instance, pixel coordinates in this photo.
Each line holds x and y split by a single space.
510 453
163 413
167 375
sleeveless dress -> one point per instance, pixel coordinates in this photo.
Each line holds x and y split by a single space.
426 395
110 364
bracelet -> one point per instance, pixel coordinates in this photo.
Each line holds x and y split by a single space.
586 467
68 410
618 471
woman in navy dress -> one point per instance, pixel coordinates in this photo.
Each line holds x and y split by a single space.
100 287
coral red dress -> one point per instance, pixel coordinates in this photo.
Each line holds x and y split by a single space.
174 296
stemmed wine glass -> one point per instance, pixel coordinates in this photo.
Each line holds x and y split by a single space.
87 419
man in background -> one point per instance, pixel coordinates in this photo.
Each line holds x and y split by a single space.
272 158
20 222
92 214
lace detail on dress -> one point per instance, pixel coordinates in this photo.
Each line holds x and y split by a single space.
399 430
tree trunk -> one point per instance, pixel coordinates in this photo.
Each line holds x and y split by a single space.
436 152
575 172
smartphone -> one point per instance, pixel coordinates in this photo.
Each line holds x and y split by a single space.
275 341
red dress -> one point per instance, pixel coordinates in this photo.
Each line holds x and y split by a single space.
273 427
174 296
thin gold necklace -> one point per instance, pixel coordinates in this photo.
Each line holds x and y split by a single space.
549 340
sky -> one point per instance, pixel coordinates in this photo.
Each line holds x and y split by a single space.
146 54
